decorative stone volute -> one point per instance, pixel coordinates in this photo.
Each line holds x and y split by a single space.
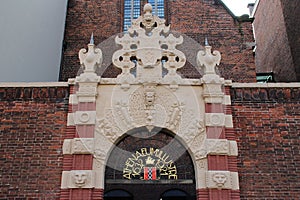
148 47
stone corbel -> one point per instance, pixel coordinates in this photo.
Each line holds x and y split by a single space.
78 179
222 180
78 146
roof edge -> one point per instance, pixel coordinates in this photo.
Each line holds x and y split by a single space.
242 18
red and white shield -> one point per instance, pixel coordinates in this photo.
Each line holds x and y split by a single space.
150 173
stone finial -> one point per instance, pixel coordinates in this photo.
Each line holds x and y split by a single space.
147 8
90 59
208 60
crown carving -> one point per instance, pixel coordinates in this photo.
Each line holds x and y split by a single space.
150 161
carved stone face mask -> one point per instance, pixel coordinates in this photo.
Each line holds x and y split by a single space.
220 179
80 178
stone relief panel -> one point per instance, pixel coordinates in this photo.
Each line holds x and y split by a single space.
78 179
222 180
78 146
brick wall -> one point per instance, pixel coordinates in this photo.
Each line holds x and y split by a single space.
197 19
291 10
32 123
267 123
273 52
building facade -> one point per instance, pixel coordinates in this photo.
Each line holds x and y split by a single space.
277 27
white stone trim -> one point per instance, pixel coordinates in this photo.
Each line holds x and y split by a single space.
78 146
233 148
228 121
70 119
34 84
85 117
227 100
214 119
266 85
222 180
221 147
73 99
215 147
78 179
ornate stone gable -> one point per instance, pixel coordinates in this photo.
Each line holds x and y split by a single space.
150 93
149 48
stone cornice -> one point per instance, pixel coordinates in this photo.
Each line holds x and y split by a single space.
266 85
33 84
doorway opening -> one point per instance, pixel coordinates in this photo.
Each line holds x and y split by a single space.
118 195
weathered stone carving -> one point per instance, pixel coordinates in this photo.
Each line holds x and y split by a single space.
148 46
219 178
106 129
83 145
90 59
215 147
88 80
208 60
214 119
78 146
222 180
99 157
78 179
174 116
85 117
193 130
212 82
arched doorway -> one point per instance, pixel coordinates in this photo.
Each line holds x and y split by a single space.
175 194
118 195
149 163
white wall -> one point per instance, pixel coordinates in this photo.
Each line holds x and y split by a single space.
31 35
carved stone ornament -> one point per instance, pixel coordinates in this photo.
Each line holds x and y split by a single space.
106 129
214 119
208 60
222 180
152 105
212 82
78 146
78 179
148 46
85 117
215 147
89 60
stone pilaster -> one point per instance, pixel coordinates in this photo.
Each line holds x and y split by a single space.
78 177
221 182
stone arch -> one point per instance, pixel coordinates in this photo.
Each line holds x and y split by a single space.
118 194
141 142
175 194
192 109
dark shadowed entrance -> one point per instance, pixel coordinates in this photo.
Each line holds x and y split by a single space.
149 165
